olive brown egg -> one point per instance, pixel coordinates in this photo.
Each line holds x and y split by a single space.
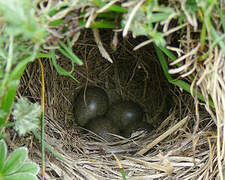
89 104
125 113
103 127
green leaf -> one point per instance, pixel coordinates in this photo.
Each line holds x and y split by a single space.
3 114
163 63
158 39
191 6
21 176
3 136
21 19
48 147
3 54
182 84
26 115
138 25
3 153
9 92
8 99
107 15
115 8
159 14
58 7
69 53
216 36
220 12
29 167
20 67
98 24
15 161
43 55
8 124
59 69
56 22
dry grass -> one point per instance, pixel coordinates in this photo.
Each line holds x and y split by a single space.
209 79
172 150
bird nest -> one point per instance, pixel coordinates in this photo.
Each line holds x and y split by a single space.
170 150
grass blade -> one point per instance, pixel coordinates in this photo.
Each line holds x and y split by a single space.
180 83
115 8
59 69
68 52
48 147
42 119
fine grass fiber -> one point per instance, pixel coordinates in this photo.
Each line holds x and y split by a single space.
170 149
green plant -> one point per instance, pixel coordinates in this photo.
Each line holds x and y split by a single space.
67 51
21 170
26 116
21 36
180 83
145 20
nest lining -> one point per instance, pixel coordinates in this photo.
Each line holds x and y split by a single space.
133 75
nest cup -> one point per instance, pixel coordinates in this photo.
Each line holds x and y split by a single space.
133 75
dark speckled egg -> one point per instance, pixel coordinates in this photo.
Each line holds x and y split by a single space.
125 113
102 126
89 104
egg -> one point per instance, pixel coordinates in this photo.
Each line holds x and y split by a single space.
103 127
89 104
125 114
